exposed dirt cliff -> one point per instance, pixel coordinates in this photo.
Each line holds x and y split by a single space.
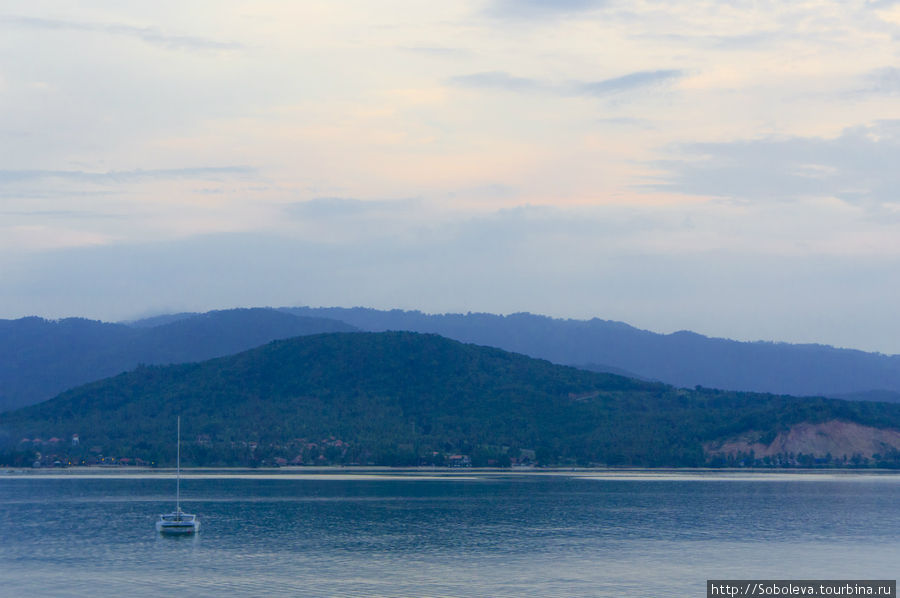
836 438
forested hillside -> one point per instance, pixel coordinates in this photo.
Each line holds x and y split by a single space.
404 399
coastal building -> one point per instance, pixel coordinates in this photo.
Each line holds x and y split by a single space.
459 461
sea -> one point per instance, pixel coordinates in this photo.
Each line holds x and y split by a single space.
441 533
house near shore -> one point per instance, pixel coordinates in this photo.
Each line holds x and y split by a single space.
459 461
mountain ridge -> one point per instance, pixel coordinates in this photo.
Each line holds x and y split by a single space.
684 358
40 358
402 398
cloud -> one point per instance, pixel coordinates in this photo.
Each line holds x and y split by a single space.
880 4
629 82
484 190
150 35
858 166
525 259
63 214
539 9
745 41
883 81
625 121
602 88
499 80
435 50
45 192
336 207
125 176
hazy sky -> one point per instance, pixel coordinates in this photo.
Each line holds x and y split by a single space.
727 167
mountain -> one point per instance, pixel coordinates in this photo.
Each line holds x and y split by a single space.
41 358
684 359
405 398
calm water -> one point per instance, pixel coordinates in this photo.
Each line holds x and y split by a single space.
478 535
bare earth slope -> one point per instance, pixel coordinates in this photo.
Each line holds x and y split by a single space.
835 438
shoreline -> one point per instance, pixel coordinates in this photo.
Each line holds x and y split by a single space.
447 473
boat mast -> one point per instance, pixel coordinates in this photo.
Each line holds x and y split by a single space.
178 471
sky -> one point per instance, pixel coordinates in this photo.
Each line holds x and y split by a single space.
731 168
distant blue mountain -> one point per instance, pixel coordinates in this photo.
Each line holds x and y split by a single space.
684 359
41 358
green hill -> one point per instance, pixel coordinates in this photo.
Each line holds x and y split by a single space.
400 398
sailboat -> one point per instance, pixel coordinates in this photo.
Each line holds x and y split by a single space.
178 522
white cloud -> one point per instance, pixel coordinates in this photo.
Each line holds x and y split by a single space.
540 9
150 35
857 167
643 161
631 82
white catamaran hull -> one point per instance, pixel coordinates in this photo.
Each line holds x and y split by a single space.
183 527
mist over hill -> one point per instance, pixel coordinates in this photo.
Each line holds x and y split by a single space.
684 359
400 398
41 358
